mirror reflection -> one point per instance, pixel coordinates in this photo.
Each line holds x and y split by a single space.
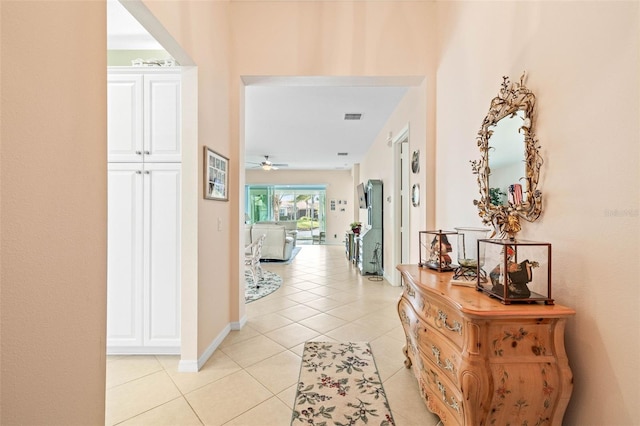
506 161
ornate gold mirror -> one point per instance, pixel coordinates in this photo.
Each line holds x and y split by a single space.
509 166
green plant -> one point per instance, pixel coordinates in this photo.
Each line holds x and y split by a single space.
355 225
495 196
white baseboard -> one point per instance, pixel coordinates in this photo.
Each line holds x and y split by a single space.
237 325
192 366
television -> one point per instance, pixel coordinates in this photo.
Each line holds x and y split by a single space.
362 196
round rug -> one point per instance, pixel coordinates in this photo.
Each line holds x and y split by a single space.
269 283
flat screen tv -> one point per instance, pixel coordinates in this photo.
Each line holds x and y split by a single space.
362 196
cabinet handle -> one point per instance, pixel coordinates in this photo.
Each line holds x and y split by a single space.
147 152
448 365
138 152
454 403
457 327
138 172
147 172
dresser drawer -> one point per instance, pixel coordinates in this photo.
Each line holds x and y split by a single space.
442 317
440 352
532 338
444 398
445 320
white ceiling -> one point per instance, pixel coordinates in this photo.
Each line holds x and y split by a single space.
300 121
296 121
124 32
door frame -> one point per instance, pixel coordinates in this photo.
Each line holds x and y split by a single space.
401 205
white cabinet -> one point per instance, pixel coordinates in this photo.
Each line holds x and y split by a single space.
143 277
144 115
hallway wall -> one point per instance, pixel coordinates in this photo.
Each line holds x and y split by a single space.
53 186
582 62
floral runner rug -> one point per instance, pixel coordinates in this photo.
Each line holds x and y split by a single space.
339 385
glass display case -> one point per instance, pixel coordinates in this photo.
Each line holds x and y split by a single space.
517 270
467 248
435 250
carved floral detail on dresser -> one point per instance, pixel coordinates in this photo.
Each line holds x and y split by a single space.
514 338
410 291
404 318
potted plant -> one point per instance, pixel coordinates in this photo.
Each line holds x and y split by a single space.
355 227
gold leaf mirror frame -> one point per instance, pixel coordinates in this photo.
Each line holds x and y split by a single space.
505 219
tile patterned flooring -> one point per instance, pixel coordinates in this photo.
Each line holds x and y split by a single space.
251 378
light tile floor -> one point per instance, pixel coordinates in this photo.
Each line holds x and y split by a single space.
251 379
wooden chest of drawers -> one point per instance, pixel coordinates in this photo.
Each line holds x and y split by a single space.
479 362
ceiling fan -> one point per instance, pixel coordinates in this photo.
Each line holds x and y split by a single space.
268 165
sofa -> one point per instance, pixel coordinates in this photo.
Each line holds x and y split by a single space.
290 225
278 245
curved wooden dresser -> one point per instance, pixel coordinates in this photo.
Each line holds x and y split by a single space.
479 362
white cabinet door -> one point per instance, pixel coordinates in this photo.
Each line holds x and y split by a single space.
144 116
125 255
162 255
124 118
143 281
162 141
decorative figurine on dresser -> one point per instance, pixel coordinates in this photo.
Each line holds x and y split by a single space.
479 357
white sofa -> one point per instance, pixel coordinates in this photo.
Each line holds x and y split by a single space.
277 244
290 225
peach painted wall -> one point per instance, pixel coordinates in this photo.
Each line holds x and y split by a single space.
340 186
582 60
201 30
53 185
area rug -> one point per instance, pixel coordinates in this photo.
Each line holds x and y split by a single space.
269 283
294 252
339 385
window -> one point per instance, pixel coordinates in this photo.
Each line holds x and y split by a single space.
305 204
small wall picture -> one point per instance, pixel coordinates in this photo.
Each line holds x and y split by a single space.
216 176
415 162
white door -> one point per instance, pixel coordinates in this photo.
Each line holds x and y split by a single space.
162 118
162 220
125 255
124 118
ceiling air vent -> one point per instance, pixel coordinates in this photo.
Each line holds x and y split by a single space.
353 116
343 154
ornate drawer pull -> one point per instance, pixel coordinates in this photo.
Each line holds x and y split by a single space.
448 365
442 316
454 403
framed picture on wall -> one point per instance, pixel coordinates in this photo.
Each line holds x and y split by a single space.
216 176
